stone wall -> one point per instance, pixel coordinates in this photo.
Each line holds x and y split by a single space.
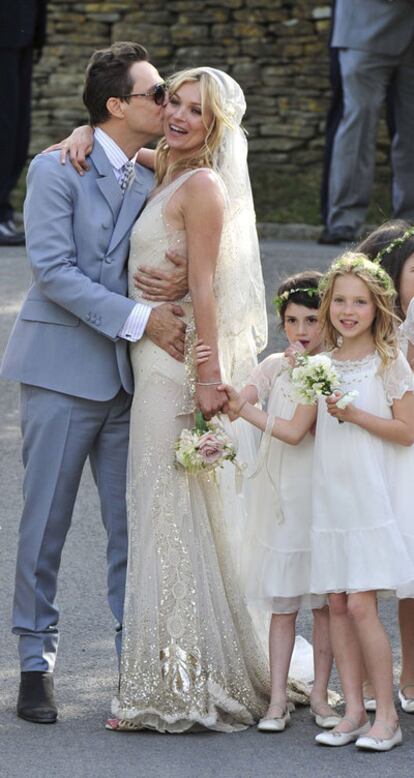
276 49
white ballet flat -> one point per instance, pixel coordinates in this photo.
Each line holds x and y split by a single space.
333 738
381 744
370 703
326 722
407 703
277 724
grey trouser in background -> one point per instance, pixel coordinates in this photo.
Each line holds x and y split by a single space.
365 77
59 433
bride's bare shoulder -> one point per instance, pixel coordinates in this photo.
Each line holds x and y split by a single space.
204 183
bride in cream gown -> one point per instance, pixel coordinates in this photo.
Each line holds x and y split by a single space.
190 656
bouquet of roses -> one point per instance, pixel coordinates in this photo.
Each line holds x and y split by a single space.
204 447
316 376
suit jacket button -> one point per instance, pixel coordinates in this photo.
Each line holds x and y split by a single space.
108 260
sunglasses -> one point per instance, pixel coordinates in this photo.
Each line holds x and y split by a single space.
157 93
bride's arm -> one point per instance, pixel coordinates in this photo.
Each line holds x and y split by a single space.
146 157
250 392
78 145
203 211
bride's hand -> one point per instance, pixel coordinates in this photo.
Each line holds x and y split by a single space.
209 400
234 401
78 145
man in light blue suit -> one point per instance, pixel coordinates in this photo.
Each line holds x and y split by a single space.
375 44
69 349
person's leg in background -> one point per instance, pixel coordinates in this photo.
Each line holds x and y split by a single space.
402 149
365 79
15 93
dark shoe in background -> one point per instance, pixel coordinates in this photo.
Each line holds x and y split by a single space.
36 700
336 237
10 235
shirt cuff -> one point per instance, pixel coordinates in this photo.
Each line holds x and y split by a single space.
136 323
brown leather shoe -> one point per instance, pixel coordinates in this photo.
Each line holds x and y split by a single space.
36 700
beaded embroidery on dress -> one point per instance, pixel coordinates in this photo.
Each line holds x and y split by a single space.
190 656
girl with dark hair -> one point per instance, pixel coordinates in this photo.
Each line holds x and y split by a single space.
392 244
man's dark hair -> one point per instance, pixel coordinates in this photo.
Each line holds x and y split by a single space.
108 75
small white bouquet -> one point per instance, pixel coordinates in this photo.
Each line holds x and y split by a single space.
313 377
204 447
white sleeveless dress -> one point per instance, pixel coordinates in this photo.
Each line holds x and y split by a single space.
189 656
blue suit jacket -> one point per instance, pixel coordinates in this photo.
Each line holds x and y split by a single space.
379 26
77 233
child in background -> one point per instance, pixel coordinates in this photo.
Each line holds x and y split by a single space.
357 545
393 245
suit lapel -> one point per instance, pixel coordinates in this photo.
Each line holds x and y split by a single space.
133 200
106 180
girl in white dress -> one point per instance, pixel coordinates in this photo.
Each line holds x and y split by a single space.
277 569
393 245
357 545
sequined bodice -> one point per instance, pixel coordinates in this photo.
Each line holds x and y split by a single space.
152 236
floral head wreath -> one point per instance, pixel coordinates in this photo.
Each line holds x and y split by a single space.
280 299
358 262
394 244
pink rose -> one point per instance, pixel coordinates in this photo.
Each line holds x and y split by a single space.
210 448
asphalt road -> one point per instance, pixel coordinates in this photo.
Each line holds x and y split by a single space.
78 745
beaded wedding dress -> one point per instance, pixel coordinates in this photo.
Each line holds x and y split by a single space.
190 656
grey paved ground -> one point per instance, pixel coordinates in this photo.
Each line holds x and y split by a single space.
78 745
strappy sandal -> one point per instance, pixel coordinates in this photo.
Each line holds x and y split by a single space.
122 725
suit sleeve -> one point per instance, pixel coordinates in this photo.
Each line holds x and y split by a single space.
52 252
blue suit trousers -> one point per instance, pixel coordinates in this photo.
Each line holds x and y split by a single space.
59 433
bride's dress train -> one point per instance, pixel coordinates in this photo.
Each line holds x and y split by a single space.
190 654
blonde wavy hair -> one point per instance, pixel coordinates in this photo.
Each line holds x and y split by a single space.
211 100
381 287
